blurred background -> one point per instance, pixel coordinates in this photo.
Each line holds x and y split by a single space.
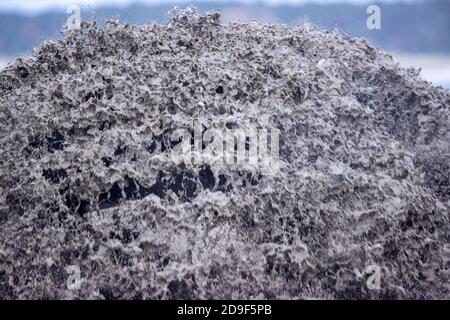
415 32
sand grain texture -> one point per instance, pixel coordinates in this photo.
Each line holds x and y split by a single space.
86 179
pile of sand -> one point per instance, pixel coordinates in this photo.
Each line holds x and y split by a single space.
87 183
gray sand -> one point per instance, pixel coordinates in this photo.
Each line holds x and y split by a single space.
86 180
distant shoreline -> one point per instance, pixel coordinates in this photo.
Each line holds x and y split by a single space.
434 67
4 61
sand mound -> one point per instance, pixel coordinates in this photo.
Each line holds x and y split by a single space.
87 182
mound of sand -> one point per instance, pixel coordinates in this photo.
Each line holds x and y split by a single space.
87 182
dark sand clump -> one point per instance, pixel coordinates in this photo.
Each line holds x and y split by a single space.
86 181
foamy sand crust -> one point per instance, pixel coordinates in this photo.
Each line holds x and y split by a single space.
92 205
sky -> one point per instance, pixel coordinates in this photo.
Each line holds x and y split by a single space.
36 6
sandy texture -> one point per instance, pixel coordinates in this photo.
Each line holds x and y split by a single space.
86 180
